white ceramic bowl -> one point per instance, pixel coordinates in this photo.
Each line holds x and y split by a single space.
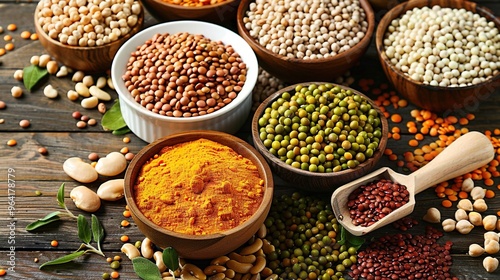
150 126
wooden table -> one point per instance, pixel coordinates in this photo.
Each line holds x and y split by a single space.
24 170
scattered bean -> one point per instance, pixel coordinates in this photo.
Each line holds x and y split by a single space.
158 257
43 151
52 67
475 250
25 34
3 105
115 264
24 123
126 140
99 93
88 81
72 95
35 60
109 81
92 122
130 251
480 205
113 164
89 102
467 185
44 60
491 235
78 76
490 264
465 204
82 89
101 82
50 92
81 124
475 218
460 214
449 225
12 27
85 199
62 72
432 216
9 46
490 222
11 142
79 170
464 226
16 92
491 246
76 115
18 74
129 156
101 107
147 248
111 190
192 272
477 193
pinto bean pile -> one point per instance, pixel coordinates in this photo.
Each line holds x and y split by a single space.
184 75
373 201
405 256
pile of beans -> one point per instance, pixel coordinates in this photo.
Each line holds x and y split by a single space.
405 256
306 29
321 128
194 3
373 201
88 23
184 75
443 46
304 232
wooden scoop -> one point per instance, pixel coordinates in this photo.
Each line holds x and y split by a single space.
465 154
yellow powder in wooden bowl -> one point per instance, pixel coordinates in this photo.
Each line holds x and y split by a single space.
198 187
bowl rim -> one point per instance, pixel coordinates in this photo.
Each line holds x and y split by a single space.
399 10
198 134
245 51
137 27
370 18
190 8
260 146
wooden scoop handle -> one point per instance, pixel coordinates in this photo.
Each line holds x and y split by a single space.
467 153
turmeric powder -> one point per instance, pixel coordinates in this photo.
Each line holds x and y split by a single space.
198 187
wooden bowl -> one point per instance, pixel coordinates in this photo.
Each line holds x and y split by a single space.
200 246
315 181
223 12
90 60
294 70
435 98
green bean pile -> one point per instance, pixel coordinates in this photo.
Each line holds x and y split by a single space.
304 231
321 128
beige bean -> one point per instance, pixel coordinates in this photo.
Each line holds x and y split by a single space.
79 170
82 89
158 257
491 235
130 250
72 95
63 72
110 83
101 82
475 250
18 74
78 76
192 272
220 260
88 80
432 216
34 60
111 190
491 246
480 205
477 193
218 276
85 199
465 204
464 226
43 60
252 248
262 232
242 259
50 91
101 107
490 264
214 269
147 248
99 93
476 219
460 214
52 67
490 222
449 225
113 164
16 91
239 267
89 102
467 185
259 265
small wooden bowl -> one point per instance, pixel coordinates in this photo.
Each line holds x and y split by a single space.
90 60
434 98
220 13
294 70
315 181
200 246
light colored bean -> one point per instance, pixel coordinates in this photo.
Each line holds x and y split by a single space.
475 250
467 185
449 225
432 216
475 218
34 60
477 193
52 67
491 246
18 74
243 259
192 272
50 91
82 89
491 235
464 226
465 204
63 72
110 83
88 80
78 76
480 205
72 95
158 257
101 107
79 170
113 164
130 250
460 214
16 91
490 264
239 267
89 102
490 222
147 248
99 93
44 60
85 199
252 248
101 82
111 190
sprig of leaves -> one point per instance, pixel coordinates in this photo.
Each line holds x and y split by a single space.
86 233
147 270
54 216
32 75
113 120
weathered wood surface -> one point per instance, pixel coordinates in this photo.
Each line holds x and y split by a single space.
53 127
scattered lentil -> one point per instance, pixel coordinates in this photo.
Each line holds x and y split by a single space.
115 275
54 243
7 37
43 151
124 150
125 223
25 34
106 276
34 37
127 214
115 264
126 139
12 27
11 142
3 105
92 122
76 115
129 156
38 193
81 124
16 91
3 272
93 156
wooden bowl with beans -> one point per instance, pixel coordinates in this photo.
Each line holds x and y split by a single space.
80 41
214 11
443 68
199 232
332 39
318 136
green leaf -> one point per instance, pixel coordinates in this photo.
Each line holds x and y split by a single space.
32 75
84 232
49 218
112 119
146 269
121 131
60 196
97 231
349 239
171 258
63 259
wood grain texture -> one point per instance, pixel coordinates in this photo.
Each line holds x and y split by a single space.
294 70
53 128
